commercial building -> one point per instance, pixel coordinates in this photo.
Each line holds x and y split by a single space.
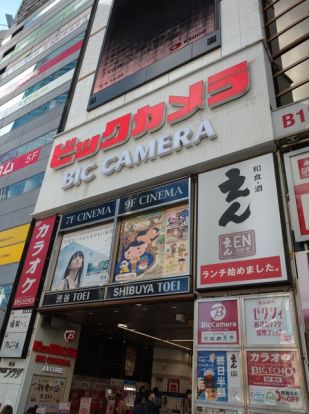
168 246
38 57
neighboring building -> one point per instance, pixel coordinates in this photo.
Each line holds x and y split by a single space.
169 241
38 58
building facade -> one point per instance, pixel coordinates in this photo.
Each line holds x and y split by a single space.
169 240
38 59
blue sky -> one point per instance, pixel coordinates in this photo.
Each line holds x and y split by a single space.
9 7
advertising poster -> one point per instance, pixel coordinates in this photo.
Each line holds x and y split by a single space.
16 333
218 322
219 377
239 222
269 321
46 392
64 408
274 379
153 245
297 171
302 262
84 258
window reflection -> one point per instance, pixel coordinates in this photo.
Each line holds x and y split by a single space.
286 24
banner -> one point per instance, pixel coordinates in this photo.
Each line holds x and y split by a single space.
34 263
239 228
219 377
46 392
274 379
18 163
153 245
84 258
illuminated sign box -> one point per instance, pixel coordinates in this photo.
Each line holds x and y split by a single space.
143 43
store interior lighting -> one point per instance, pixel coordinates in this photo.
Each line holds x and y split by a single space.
125 327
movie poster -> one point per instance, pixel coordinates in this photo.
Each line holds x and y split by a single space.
153 245
84 258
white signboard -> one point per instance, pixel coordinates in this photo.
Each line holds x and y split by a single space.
85 405
291 119
15 334
239 228
297 171
269 321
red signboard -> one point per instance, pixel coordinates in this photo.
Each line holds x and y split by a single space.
218 322
243 270
273 369
31 273
20 162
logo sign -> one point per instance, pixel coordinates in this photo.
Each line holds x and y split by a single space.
164 194
297 171
239 244
169 286
73 297
223 87
218 322
31 273
242 221
93 214
70 335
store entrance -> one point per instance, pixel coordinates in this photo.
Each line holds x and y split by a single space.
122 348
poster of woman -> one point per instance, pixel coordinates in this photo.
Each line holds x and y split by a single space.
84 258
153 245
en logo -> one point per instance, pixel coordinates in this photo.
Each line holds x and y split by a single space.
218 312
70 335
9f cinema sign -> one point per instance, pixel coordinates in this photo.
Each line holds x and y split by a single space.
222 87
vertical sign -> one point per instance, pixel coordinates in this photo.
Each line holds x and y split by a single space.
297 170
32 270
239 229
219 376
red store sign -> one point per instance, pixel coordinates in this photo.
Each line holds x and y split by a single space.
20 162
222 87
32 270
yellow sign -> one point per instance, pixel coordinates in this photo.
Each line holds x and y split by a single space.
14 235
11 254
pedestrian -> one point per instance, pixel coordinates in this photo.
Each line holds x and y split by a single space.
139 406
150 407
187 402
7 409
157 399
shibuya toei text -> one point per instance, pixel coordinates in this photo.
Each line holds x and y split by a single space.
157 148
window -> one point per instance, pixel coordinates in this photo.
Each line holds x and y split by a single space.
30 146
286 24
22 187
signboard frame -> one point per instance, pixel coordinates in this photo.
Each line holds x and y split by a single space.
243 348
295 205
210 267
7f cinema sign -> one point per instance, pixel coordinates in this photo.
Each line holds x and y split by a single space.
222 87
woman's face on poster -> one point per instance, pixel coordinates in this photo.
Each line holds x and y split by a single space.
76 262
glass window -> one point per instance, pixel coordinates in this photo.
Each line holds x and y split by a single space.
48 106
21 187
30 146
286 23
5 292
